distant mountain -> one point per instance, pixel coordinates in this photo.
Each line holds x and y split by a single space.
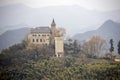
74 18
12 37
109 30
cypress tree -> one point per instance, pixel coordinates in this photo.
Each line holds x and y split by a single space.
119 47
111 45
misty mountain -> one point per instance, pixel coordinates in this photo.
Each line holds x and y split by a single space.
109 30
12 37
73 18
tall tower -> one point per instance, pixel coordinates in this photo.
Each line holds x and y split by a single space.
53 24
59 46
57 41
53 28
53 32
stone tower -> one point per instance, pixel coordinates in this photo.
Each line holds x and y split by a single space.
56 40
59 47
53 28
53 32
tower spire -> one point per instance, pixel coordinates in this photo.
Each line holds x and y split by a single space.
53 23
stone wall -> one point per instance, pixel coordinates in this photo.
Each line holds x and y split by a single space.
39 38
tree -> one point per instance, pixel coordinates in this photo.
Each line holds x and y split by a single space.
61 31
111 45
119 47
70 41
94 46
76 46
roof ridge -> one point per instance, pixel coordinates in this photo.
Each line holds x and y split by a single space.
41 30
43 27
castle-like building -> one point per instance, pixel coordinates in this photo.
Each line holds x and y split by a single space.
44 36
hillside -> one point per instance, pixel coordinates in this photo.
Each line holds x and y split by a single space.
19 63
12 37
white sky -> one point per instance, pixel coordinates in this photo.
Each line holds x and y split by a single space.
100 5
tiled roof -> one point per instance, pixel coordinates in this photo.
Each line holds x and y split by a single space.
40 30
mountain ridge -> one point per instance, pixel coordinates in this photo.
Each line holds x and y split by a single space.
12 37
73 18
109 30
6 40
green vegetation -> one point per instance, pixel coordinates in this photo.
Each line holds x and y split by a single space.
18 63
119 47
111 45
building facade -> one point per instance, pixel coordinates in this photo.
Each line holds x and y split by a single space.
44 36
39 36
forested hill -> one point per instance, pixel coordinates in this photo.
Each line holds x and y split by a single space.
19 63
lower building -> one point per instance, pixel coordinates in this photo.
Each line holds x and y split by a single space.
59 46
39 36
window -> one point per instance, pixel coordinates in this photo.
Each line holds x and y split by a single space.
46 44
43 40
40 40
36 40
34 35
43 35
33 40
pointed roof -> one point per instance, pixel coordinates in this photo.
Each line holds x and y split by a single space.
53 23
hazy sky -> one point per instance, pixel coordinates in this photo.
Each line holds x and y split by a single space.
100 5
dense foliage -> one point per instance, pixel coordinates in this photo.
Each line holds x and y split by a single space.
111 45
18 63
119 47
